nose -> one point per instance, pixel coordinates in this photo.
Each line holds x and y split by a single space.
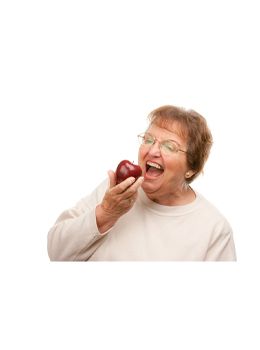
155 150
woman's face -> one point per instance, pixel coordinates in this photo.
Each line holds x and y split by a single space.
164 174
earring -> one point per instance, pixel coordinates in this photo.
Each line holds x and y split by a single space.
187 174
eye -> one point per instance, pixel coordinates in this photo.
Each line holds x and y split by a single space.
170 146
148 140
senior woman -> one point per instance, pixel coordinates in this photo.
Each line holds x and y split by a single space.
157 217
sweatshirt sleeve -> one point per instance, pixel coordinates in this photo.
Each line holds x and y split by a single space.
75 235
222 247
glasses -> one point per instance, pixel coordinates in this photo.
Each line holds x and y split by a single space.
167 146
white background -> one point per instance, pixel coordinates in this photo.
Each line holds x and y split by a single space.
78 79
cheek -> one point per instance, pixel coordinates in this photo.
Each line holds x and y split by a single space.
141 155
175 168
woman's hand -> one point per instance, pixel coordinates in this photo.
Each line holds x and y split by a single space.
117 201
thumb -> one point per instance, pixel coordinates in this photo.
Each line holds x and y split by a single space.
112 178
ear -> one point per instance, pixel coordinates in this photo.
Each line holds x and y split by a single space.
189 174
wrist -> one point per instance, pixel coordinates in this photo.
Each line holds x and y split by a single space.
104 220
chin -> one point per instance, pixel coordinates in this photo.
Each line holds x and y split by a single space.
149 186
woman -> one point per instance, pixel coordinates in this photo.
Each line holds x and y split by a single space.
157 217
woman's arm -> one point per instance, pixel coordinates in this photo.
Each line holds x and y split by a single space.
75 234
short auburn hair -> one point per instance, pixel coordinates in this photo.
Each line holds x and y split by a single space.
193 128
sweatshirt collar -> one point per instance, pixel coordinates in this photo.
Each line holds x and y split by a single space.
169 210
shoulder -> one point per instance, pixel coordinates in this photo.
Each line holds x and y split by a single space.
213 214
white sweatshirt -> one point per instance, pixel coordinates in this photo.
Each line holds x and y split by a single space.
149 231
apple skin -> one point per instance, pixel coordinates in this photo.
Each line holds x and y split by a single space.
126 169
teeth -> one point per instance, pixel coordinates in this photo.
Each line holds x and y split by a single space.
155 165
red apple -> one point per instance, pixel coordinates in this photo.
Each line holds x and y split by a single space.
126 169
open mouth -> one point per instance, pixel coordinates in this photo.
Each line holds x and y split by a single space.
153 170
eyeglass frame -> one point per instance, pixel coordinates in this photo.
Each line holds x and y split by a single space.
141 138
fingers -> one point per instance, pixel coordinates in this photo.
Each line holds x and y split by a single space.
112 178
122 187
129 185
137 183
119 188
126 190
120 198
